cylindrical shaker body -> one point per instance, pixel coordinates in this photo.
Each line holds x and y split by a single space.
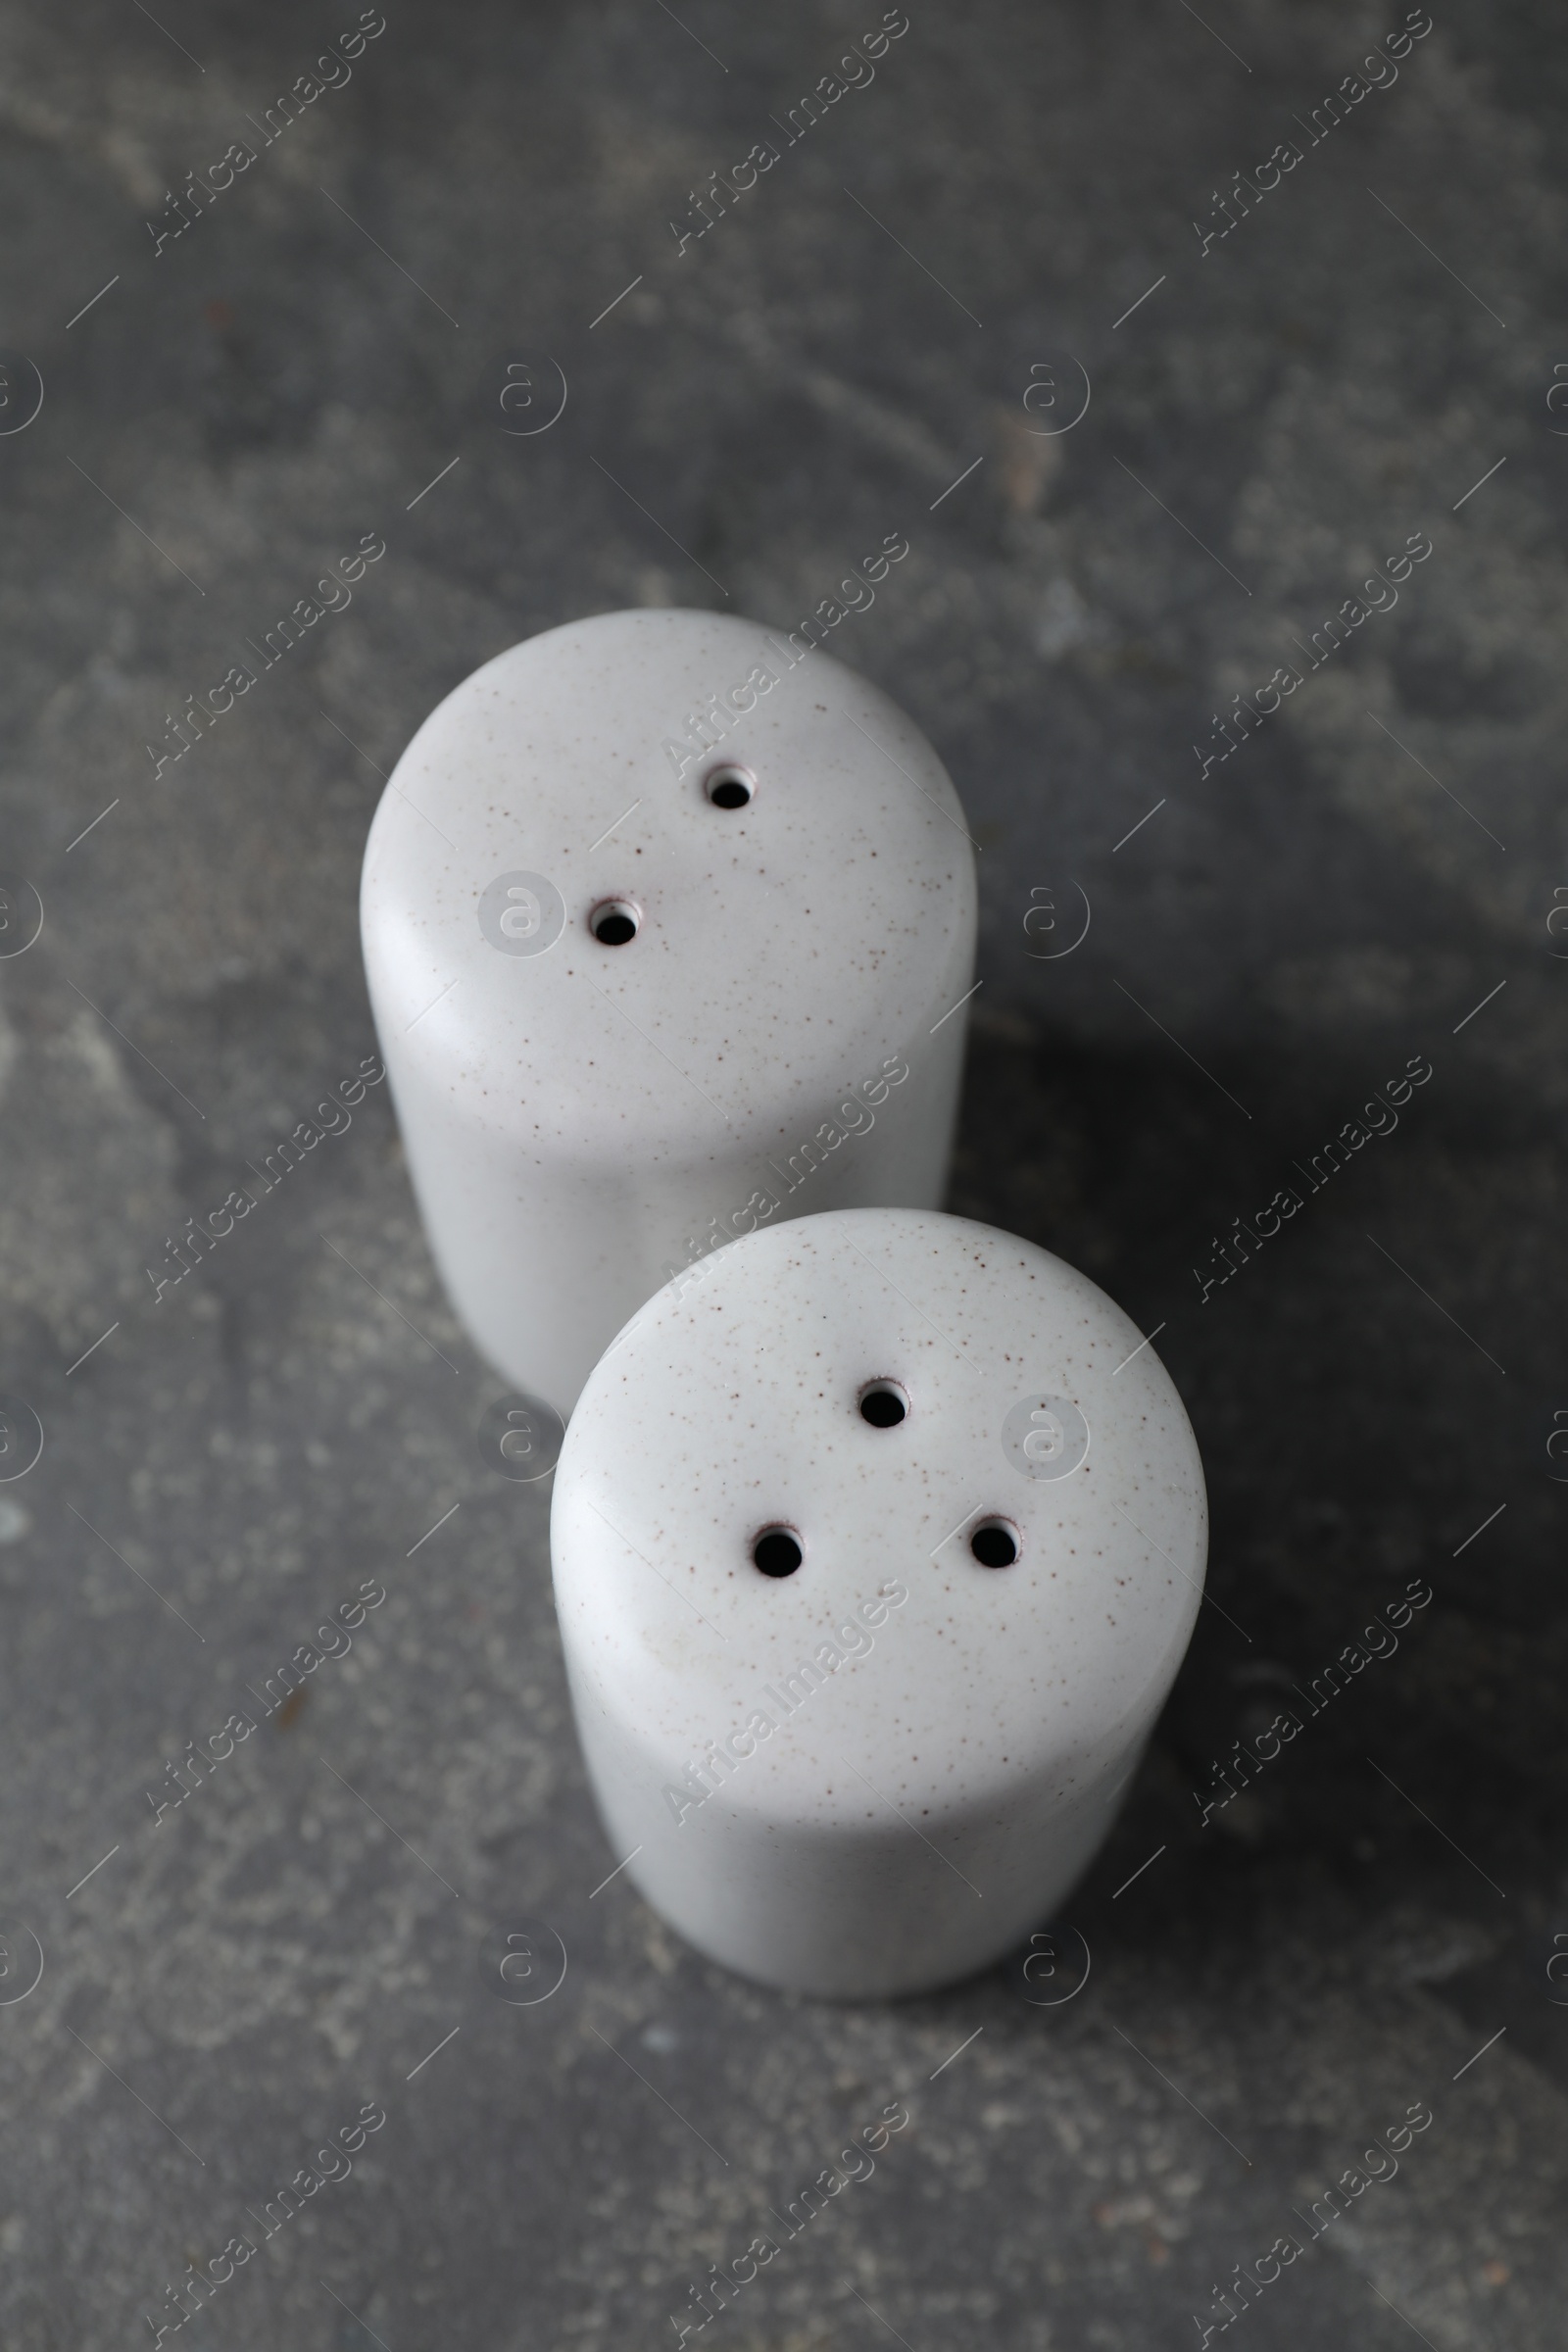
875 1772
636 995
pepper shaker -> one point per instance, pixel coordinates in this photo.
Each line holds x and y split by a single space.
668 925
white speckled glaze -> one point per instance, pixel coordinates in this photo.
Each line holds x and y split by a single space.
998 1711
576 1120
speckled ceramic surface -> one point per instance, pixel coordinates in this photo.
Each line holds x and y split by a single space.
878 1772
583 1120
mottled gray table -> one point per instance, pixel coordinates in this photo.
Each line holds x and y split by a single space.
1016 205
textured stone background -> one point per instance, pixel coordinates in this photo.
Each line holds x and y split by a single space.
1277 1986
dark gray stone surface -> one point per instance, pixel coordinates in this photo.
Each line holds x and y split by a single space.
236 1978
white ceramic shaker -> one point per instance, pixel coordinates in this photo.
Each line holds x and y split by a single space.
668 923
875 1556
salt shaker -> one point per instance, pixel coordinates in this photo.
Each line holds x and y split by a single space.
875 1557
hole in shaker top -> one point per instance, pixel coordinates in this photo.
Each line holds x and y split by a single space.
777 1551
884 1404
729 787
614 921
995 1543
